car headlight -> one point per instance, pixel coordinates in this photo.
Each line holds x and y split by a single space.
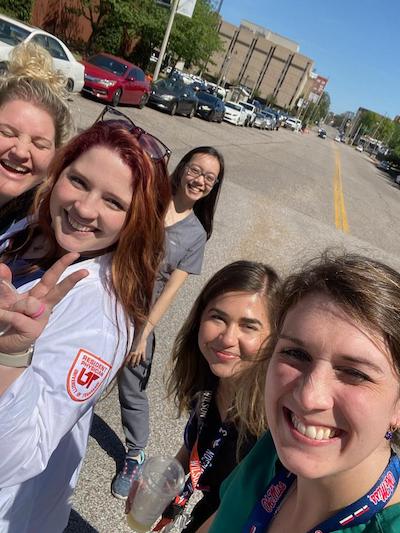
167 96
205 107
107 83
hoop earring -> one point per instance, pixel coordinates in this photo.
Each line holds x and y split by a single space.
389 432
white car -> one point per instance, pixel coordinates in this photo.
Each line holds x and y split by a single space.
359 148
251 112
235 114
13 32
293 124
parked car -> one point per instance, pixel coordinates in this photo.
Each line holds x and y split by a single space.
261 121
217 90
235 114
251 112
338 139
13 32
114 80
359 148
322 133
199 86
271 120
210 107
174 96
293 124
384 165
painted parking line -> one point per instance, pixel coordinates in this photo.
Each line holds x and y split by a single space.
341 221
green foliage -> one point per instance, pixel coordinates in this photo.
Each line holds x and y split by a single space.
193 40
108 20
117 24
18 9
394 140
316 112
148 25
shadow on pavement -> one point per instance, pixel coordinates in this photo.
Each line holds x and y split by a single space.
77 524
108 440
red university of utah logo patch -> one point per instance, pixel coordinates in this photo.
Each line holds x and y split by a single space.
85 376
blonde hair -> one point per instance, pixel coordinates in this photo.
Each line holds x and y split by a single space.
31 77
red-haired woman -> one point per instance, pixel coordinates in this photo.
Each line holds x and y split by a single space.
102 200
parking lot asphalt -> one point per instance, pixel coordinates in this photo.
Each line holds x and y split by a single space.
276 206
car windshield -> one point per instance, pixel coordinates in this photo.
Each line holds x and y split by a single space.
12 34
236 107
109 64
168 85
247 106
206 97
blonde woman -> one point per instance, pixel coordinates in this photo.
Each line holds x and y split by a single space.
34 121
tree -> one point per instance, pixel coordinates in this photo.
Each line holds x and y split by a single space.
195 39
317 111
106 18
19 9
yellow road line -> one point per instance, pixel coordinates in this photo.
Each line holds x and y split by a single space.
338 198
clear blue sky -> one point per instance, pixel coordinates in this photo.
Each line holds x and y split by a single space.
354 43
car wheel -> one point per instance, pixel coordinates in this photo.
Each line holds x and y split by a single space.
192 112
172 109
143 101
116 97
70 85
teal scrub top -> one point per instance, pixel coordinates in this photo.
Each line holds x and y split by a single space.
241 490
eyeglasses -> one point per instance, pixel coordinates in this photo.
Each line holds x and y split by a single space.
153 147
196 172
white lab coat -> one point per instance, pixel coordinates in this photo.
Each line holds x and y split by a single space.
45 415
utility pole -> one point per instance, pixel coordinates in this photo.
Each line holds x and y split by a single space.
164 45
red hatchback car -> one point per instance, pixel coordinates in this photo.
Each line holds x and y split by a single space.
114 80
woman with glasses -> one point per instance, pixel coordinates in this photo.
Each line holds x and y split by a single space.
48 389
34 121
196 183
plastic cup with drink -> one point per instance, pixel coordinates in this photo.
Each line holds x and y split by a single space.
159 480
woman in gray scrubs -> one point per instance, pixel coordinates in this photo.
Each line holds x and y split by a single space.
196 184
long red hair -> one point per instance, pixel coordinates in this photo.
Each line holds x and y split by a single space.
139 250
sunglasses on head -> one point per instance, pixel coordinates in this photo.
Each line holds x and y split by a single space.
155 148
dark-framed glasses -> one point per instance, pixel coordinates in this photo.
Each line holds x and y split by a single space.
155 148
195 171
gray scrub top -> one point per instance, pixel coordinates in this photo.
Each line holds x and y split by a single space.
184 250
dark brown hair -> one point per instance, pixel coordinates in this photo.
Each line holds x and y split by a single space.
190 371
204 208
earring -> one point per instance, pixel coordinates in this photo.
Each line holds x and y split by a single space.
389 432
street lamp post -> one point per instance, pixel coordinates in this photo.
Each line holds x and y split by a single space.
164 45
